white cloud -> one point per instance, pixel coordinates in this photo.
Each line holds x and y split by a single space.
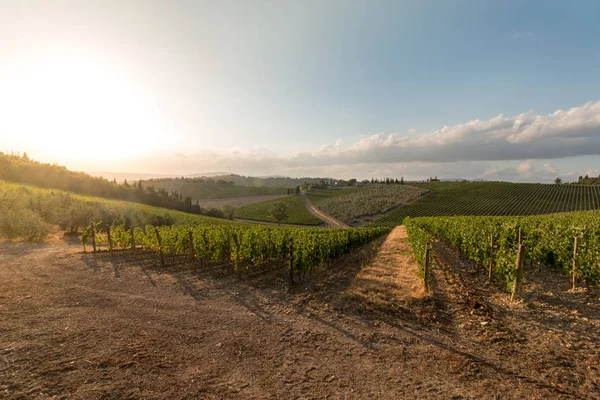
526 171
465 149
551 168
525 168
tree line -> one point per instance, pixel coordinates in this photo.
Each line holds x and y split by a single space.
21 169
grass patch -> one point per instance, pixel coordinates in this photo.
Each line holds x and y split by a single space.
261 212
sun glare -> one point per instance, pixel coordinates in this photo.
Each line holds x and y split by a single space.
78 108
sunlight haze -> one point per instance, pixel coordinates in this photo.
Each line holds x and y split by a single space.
468 89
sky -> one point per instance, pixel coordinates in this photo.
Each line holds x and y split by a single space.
496 90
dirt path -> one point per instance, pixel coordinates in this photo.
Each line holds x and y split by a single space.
393 272
112 326
329 220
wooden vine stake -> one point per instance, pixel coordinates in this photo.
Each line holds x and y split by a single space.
291 243
132 239
426 267
192 252
518 274
491 266
93 236
107 229
237 256
160 252
574 277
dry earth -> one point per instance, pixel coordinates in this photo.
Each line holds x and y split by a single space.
114 326
328 219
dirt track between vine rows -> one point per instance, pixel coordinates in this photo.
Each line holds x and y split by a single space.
114 326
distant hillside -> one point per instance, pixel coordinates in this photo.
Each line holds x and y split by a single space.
211 188
129 176
206 175
274 181
21 169
231 185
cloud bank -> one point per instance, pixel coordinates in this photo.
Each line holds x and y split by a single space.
466 147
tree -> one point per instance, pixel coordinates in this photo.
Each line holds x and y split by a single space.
297 189
351 182
228 210
402 180
279 211
558 181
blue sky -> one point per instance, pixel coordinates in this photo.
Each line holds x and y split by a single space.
307 87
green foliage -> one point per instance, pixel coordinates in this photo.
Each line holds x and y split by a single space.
249 246
348 204
279 211
297 213
589 180
418 238
495 199
26 171
22 223
28 212
228 210
548 240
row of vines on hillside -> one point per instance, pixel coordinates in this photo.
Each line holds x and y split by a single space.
240 246
496 199
548 240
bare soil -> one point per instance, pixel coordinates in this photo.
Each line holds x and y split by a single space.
328 219
115 326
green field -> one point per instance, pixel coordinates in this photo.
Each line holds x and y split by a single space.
495 199
208 189
30 212
260 212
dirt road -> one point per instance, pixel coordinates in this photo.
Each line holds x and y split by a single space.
113 326
329 220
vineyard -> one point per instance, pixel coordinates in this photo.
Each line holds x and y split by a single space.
495 199
548 240
349 205
238 247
